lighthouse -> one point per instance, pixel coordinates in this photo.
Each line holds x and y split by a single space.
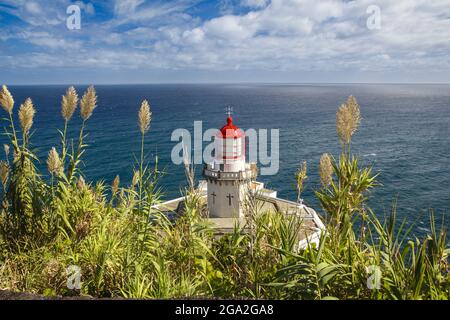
229 181
228 177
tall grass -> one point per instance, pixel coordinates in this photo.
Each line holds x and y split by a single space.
126 247
374 261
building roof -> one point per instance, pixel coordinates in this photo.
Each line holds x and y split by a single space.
230 131
309 231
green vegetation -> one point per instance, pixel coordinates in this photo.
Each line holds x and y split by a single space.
126 247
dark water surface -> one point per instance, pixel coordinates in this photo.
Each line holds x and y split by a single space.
405 133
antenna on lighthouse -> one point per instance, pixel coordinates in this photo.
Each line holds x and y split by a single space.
229 110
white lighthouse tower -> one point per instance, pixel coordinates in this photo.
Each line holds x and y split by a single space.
228 176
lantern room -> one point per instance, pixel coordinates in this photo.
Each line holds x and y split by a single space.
230 147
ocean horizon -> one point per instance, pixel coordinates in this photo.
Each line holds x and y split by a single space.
404 134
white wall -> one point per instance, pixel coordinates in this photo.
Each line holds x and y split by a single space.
219 205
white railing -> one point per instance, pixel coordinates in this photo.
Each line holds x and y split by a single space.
240 175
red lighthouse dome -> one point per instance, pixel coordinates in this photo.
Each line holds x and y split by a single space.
229 130
230 146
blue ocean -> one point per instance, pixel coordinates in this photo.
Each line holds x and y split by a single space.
404 134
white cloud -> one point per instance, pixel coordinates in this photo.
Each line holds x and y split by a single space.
254 3
126 7
46 40
87 8
194 36
140 10
33 7
38 12
232 28
277 35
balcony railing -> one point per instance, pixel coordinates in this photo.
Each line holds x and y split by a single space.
240 175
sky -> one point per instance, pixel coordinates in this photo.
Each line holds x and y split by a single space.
225 41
